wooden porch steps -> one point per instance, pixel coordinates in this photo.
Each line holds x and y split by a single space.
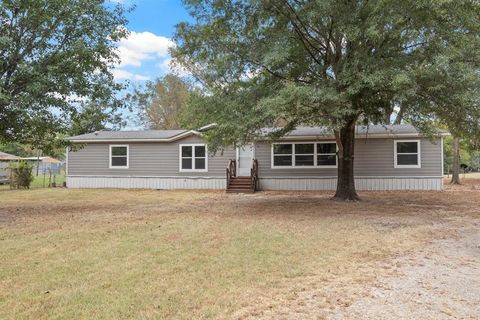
240 185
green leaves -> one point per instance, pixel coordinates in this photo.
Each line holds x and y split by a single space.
161 104
51 51
280 62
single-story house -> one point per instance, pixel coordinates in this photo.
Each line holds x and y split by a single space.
394 157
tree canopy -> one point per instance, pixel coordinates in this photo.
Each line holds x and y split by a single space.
53 54
331 63
160 104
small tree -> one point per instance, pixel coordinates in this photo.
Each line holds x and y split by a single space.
22 175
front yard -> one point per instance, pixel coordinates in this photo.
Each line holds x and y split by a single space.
111 254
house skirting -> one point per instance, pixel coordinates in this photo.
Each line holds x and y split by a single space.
283 183
361 183
145 182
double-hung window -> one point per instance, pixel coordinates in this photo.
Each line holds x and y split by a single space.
282 155
304 154
193 157
326 154
118 156
407 153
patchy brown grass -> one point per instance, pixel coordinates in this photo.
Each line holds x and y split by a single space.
191 254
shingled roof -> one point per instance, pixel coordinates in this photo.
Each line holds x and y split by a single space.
172 135
154 135
360 131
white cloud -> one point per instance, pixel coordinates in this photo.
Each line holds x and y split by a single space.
165 65
140 46
120 74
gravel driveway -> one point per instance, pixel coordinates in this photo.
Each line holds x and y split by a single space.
442 281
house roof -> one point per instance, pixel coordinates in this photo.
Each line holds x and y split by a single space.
144 135
403 130
7 156
300 132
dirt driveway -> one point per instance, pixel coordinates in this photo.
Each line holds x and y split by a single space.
440 281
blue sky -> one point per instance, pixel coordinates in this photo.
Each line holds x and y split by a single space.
144 53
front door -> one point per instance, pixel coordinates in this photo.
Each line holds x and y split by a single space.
244 160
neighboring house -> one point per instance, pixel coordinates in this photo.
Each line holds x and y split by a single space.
46 165
5 159
386 158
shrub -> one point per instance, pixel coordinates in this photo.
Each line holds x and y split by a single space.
22 175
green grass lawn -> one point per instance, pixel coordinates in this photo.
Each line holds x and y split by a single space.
41 181
144 254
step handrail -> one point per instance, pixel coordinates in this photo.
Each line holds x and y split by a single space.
231 170
254 175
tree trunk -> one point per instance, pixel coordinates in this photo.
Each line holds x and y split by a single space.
456 161
346 179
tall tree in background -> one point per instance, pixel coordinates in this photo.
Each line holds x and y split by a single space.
160 104
92 117
53 52
332 63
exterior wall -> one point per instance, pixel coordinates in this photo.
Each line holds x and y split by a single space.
156 166
374 157
145 160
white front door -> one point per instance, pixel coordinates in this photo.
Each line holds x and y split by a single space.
244 160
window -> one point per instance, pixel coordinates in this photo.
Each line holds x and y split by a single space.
193 157
326 154
304 155
118 156
282 155
407 154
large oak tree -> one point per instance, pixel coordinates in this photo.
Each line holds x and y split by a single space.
332 63
53 55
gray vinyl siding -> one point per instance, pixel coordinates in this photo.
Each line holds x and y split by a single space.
374 157
145 159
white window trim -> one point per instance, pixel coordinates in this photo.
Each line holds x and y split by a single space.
193 145
315 154
418 153
110 156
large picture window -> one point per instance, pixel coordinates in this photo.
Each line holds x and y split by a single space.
304 155
193 157
118 156
407 153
